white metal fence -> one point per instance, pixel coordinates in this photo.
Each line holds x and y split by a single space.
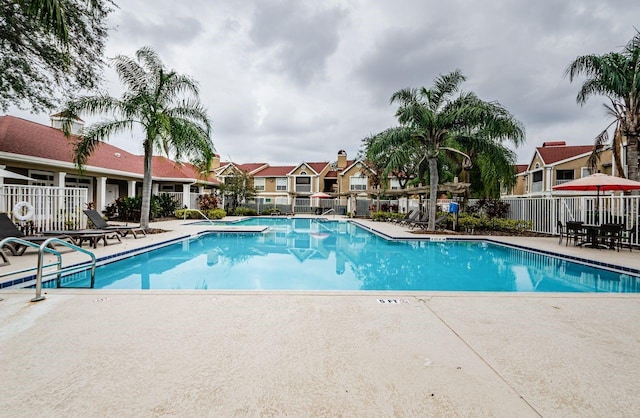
546 212
179 197
44 208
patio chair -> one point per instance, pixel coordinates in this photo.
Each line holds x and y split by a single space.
9 230
610 235
560 231
576 232
627 236
97 220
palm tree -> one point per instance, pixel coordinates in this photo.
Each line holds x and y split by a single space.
432 118
615 75
163 103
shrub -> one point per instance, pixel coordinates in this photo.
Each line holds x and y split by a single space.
207 202
493 208
384 216
244 211
472 223
167 204
216 213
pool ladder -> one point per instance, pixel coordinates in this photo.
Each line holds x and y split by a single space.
59 271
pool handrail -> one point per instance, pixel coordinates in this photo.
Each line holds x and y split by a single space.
44 247
198 211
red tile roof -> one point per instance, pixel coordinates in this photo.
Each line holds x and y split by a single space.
250 167
275 171
521 168
23 137
554 154
318 167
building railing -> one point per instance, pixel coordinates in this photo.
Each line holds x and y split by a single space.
45 208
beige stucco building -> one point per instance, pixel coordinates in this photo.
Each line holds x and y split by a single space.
555 163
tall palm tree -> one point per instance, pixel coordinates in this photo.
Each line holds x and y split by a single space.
163 103
431 118
615 75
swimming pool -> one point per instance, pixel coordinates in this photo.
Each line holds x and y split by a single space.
310 254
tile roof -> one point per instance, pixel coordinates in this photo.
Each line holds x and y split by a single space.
554 154
521 168
250 167
23 137
275 171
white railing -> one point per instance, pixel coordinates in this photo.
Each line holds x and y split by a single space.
54 208
546 212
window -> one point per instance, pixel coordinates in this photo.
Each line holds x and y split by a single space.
303 184
394 184
586 171
563 176
281 184
258 184
358 183
167 188
42 178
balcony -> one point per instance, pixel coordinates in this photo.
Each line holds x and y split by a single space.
303 188
536 187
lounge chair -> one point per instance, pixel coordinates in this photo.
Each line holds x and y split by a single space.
423 219
398 220
97 220
440 223
9 230
413 216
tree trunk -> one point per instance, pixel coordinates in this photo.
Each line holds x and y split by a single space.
433 193
632 157
146 185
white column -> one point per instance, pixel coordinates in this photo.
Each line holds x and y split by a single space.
200 189
131 189
58 179
155 189
549 179
101 196
186 196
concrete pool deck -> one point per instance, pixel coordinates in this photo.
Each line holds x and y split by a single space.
244 353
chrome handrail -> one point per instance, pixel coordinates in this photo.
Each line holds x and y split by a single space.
42 248
198 211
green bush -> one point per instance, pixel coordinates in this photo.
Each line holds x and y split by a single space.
470 223
166 203
385 216
244 211
216 213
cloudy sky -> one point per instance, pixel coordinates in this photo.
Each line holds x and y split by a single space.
287 81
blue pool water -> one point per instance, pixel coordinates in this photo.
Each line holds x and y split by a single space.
306 254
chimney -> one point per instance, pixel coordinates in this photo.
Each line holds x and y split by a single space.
554 144
342 160
215 161
58 119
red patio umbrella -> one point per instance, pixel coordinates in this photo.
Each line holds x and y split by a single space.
599 182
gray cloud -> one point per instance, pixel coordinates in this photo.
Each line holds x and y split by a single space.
296 39
287 81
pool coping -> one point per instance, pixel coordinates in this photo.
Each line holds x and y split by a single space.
29 280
